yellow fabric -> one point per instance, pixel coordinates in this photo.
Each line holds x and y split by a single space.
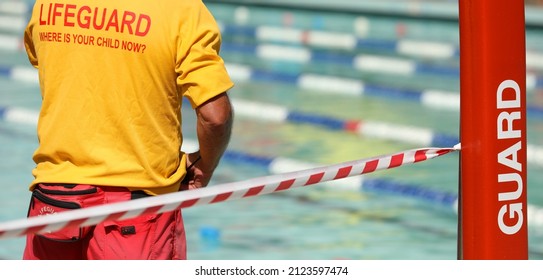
112 75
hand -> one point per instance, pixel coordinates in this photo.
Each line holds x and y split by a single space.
195 177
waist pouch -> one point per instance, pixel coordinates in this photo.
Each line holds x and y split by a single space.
52 199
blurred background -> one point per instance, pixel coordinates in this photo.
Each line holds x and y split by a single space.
317 83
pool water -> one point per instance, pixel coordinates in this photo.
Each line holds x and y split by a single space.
315 222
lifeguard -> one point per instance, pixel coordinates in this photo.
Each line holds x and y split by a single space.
96 18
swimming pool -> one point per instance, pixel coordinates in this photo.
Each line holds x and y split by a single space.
390 222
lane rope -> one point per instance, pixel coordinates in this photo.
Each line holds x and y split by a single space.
418 136
215 194
316 84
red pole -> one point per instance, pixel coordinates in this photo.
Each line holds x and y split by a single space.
493 191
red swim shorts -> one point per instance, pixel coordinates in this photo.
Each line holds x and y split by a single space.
155 236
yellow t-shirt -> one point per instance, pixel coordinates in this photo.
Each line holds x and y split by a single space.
112 77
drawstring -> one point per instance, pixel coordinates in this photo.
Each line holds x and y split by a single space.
194 162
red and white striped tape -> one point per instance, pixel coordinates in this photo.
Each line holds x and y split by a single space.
214 194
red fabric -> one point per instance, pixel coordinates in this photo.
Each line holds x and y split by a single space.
155 236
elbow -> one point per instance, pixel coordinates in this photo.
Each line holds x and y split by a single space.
217 114
222 121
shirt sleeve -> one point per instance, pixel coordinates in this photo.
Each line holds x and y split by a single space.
201 71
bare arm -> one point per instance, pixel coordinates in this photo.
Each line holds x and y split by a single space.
214 126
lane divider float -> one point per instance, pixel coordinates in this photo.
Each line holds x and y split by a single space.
280 114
